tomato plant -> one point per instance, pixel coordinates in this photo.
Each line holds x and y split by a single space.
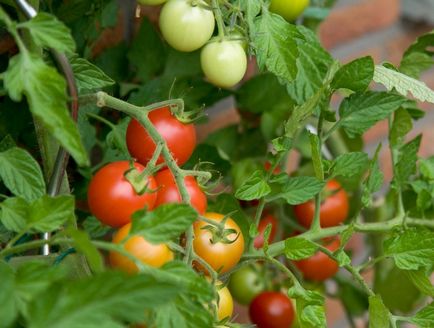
180 137
112 199
271 310
289 10
267 220
333 210
225 303
245 284
186 25
220 248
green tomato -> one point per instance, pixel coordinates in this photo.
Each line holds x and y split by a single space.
245 284
289 9
151 2
186 25
224 63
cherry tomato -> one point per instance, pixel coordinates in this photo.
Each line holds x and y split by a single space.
333 210
267 166
268 219
151 2
112 199
225 302
319 267
154 255
245 284
271 310
186 25
219 255
180 137
224 63
289 10
168 191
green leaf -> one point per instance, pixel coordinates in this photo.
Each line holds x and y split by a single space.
426 167
412 249
378 313
276 49
310 307
403 84
402 124
88 76
252 9
45 91
21 174
298 248
415 63
297 190
406 164
254 187
349 164
374 181
44 214
421 280
6 143
353 296
313 316
8 310
164 223
47 31
355 75
425 317
94 227
342 257
83 244
361 111
316 156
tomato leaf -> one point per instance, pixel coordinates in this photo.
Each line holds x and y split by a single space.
88 76
374 180
402 124
9 310
316 156
254 187
164 223
47 31
21 174
355 75
298 248
425 317
310 307
378 313
361 111
349 165
297 190
406 164
411 250
418 57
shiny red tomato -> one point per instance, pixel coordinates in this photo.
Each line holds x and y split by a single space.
180 137
272 310
112 199
268 219
168 191
333 210
320 267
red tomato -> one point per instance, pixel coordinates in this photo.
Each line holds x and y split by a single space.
267 167
268 219
333 210
112 199
168 191
271 310
319 267
180 137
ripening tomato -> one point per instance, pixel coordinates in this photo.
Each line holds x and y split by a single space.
319 267
225 303
151 2
224 63
245 284
289 10
112 199
333 210
272 310
180 137
155 255
259 239
168 191
221 256
186 25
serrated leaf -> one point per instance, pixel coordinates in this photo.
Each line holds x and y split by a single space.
412 249
378 313
316 156
47 31
415 63
298 248
425 317
276 49
45 90
83 244
361 111
406 164
342 257
21 174
298 190
355 75
349 164
254 187
88 76
164 223
421 280
403 84
402 124
313 316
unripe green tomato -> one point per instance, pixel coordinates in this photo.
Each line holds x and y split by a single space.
186 27
224 63
289 9
151 2
245 284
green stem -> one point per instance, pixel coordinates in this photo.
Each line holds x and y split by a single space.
219 19
15 239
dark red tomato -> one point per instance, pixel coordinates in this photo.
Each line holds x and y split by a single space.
320 267
112 199
180 137
271 310
268 219
333 210
267 167
168 191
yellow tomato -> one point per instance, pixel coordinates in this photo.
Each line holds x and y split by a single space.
289 9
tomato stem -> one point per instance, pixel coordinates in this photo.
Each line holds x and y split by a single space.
219 19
